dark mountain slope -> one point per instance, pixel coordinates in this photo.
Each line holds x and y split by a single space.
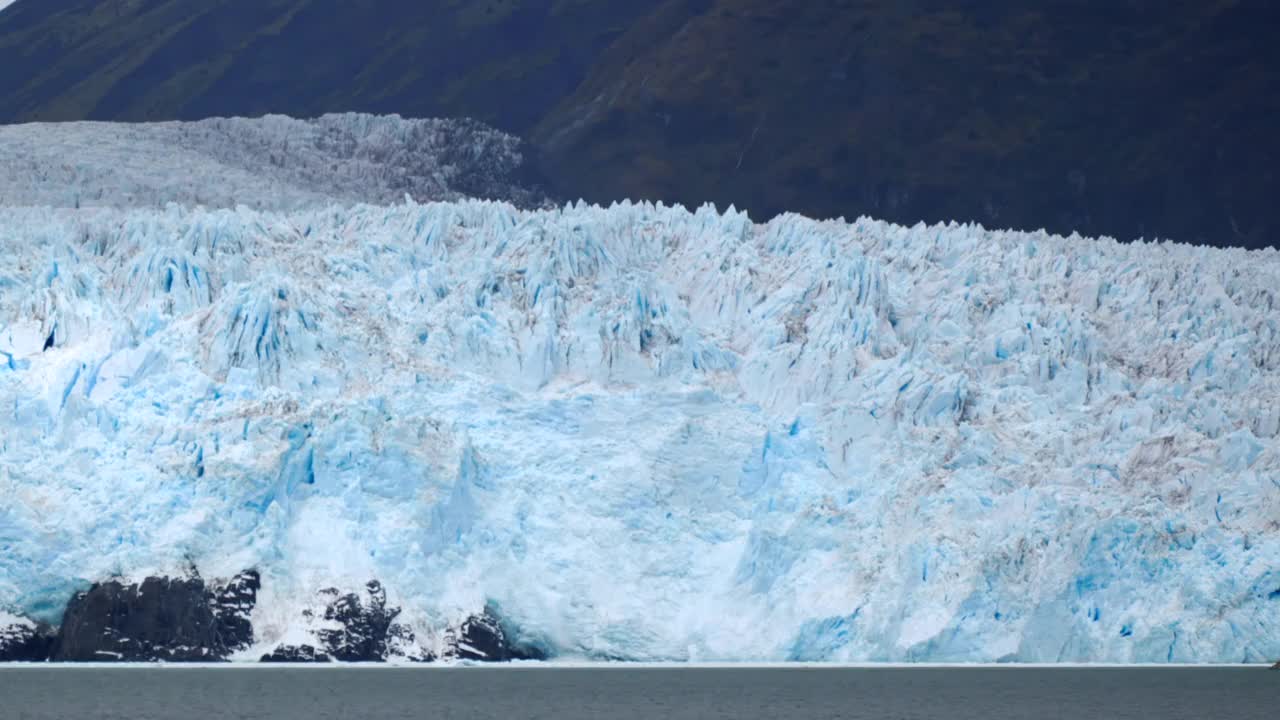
501 61
1127 117
1134 119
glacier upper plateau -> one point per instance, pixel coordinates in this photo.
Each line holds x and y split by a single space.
273 162
643 432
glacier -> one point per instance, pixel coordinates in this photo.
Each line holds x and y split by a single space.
272 162
650 433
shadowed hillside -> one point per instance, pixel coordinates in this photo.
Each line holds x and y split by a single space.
501 61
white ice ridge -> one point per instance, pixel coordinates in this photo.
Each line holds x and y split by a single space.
272 162
652 434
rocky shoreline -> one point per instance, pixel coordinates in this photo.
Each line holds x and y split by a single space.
188 619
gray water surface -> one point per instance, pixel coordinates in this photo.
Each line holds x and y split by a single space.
622 693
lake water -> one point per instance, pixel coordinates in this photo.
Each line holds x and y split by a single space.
622 693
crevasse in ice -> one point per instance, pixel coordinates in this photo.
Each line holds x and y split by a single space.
650 433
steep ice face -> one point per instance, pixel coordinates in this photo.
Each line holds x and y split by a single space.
652 434
272 162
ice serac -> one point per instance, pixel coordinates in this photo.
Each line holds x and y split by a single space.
647 433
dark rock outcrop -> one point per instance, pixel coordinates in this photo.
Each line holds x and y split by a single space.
170 619
365 625
483 638
26 642
189 620
233 604
296 654
358 628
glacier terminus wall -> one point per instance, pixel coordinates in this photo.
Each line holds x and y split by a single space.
648 433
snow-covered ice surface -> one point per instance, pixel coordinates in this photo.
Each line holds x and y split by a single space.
653 434
272 163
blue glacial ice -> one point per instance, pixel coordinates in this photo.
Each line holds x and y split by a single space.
650 433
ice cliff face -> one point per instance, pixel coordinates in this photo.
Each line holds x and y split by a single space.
648 433
273 162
